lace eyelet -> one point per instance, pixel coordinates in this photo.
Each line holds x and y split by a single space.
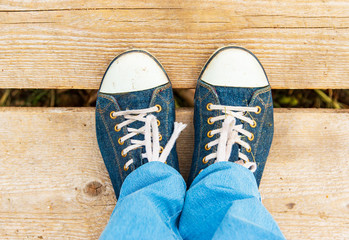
160 137
204 160
120 142
209 120
206 147
159 107
254 124
111 115
158 122
123 154
252 137
161 149
259 110
248 150
209 134
208 106
116 128
125 168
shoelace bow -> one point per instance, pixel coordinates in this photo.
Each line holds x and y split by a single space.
230 133
150 130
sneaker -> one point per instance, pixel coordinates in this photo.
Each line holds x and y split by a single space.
233 115
135 115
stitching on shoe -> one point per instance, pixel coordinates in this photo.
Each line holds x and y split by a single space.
156 91
112 143
253 157
260 91
102 110
259 98
270 101
155 95
162 88
210 90
259 131
110 99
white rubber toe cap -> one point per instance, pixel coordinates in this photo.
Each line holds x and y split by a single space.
234 67
133 71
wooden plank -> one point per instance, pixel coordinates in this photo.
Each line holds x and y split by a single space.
69 44
50 163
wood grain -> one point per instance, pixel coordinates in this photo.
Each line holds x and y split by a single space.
54 185
69 44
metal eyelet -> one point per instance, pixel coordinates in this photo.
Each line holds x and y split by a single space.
111 115
125 169
123 154
209 134
254 124
209 120
252 137
207 148
161 149
158 122
248 150
259 110
120 142
208 106
204 160
160 137
116 128
159 107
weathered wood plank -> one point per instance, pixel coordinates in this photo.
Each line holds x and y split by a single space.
49 157
300 8
69 44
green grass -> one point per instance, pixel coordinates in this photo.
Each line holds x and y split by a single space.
337 99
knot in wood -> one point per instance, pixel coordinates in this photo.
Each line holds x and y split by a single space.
93 188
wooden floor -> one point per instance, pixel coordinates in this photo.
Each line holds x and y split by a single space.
53 183
302 44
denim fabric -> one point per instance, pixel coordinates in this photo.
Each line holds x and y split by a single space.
232 96
222 203
108 138
150 203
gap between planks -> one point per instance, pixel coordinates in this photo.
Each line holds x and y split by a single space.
53 182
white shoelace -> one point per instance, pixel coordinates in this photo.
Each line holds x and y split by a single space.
230 133
150 130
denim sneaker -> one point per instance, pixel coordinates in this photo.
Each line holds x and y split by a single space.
135 115
233 115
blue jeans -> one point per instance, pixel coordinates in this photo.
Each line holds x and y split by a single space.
223 202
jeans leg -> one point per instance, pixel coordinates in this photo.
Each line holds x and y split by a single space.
149 206
223 202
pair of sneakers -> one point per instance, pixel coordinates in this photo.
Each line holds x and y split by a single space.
135 114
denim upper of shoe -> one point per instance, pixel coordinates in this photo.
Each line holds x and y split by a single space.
107 136
232 96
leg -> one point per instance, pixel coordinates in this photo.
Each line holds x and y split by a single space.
136 135
223 202
150 202
233 120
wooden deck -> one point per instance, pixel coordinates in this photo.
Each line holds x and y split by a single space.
301 44
53 183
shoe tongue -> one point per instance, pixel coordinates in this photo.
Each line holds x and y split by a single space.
234 156
234 96
134 100
240 97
